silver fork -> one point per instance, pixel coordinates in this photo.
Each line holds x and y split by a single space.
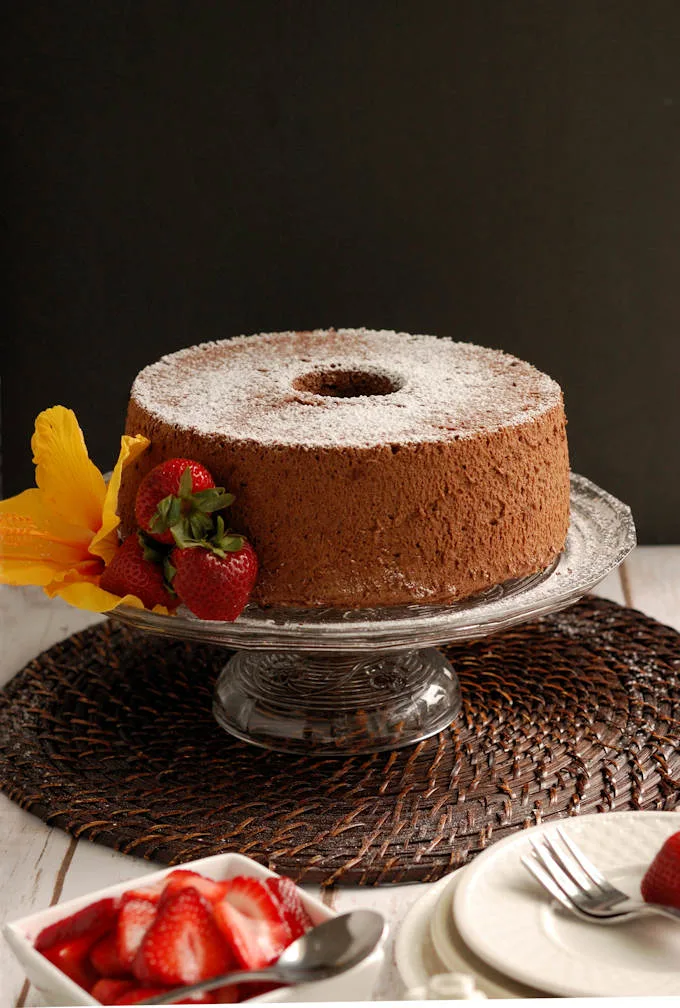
567 874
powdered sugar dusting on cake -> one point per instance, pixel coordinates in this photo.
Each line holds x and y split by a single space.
253 388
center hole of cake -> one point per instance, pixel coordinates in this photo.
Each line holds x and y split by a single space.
347 384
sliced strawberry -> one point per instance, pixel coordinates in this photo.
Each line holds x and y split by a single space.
182 878
252 990
229 994
294 913
136 994
183 945
661 883
106 991
251 920
134 920
151 893
105 959
72 958
94 920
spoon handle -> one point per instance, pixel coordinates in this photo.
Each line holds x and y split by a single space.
287 975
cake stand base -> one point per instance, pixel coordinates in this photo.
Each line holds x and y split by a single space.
302 703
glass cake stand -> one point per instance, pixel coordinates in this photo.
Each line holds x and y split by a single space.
361 681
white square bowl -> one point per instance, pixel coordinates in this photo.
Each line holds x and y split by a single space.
57 989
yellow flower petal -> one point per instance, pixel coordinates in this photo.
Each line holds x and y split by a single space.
73 486
32 507
25 572
88 595
105 542
60 535
33 536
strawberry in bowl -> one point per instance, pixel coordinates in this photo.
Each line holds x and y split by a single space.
177 927
187 929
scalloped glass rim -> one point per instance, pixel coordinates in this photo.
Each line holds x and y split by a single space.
601 535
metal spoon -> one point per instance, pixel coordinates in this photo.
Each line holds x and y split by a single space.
327 950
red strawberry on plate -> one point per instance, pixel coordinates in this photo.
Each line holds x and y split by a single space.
294 914
133 571
135 919
251 920
661 883
183 945
178 492
215 582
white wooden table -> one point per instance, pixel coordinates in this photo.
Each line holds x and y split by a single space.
40 866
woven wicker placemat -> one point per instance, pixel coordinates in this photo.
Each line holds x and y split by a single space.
110 736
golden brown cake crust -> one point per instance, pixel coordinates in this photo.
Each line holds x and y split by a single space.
369 468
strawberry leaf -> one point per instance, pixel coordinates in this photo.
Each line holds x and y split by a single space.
213 499
232 543
200 526
182 538
186 483
169 573
167 514
225 541
151 548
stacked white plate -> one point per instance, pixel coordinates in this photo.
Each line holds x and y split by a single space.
493 921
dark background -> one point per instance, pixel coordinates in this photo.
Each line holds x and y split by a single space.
501 172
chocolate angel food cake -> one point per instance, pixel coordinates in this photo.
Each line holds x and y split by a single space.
370 468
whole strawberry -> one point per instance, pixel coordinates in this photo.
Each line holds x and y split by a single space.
133 572
178 491
215 579
661 883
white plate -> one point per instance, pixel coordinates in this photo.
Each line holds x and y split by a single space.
457 957
416 954
508 920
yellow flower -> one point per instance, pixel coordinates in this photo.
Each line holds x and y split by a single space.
62 533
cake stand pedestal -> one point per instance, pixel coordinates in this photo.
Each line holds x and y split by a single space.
362 681
336 703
